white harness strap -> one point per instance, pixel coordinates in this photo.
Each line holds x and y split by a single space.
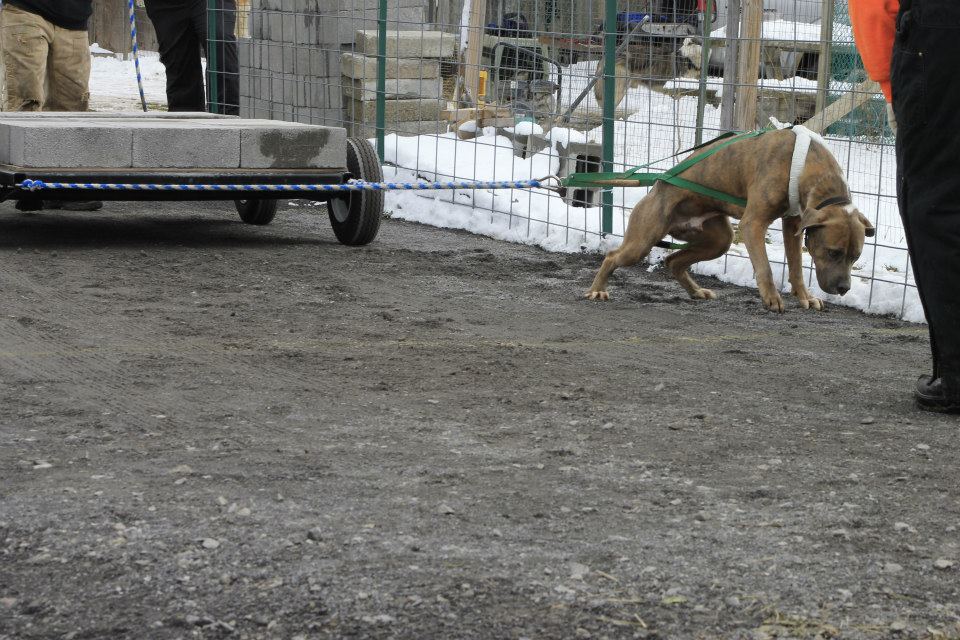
800 149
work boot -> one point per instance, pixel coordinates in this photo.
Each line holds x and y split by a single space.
932 395
73 205
29 204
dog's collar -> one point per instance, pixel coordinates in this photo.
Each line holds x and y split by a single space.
832 201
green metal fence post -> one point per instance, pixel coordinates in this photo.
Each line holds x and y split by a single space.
609 108
704 63
212 92
381 76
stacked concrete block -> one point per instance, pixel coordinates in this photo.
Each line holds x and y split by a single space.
405 78
290 66
413 87
412 44
174 141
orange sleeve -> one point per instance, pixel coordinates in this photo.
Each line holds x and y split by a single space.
874 24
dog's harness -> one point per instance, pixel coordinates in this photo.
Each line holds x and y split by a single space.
636 178
800 149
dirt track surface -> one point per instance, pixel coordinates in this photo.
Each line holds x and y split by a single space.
210 430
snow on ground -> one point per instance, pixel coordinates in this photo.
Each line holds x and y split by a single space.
113 82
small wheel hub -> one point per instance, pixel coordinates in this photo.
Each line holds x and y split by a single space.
340 208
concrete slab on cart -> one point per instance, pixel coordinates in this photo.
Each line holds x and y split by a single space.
158 140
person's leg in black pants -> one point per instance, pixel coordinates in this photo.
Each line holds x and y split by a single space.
179 53
227 72
926 101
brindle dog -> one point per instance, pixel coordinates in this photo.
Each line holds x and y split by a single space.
758 170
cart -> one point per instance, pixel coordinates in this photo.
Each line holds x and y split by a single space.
354 214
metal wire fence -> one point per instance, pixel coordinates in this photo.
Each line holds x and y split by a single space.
520 89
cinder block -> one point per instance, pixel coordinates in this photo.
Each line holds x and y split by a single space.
290 23
408 44
65 143
255 24
319 115
261 108
274 26
373 5
363 67
275 57
410 17
396 110
394 87
369 130
398 19
310 28
301 61
188 145
243 52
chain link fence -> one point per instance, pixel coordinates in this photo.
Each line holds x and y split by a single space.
515 89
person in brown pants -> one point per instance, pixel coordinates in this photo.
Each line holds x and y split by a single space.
47 58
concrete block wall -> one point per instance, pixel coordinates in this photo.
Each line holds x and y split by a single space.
414 86
290 66
313 61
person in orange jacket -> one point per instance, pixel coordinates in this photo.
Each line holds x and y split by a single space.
911 47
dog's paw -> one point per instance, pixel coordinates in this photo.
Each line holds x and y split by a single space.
598 295
773 302
806 299
812 303
703 294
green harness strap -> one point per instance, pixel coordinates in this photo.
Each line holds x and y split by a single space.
671 176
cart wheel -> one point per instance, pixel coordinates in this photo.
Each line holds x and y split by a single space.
256 211
356 218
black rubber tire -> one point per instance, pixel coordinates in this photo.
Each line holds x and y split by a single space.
257 210
365 208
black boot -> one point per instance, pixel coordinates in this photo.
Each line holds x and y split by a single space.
73 205
932 395
29 204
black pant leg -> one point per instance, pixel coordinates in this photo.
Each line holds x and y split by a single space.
229 74
180 55
926 93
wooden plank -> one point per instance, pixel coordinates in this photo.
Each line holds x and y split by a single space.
489 111
731 43
826 53
858 96
243 18
749 65
470 71
110 27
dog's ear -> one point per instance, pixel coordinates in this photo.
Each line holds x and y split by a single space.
869 229
810 219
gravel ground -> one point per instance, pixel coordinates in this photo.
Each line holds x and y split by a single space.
211 430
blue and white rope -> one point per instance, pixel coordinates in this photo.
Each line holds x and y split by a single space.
353 185
136 54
